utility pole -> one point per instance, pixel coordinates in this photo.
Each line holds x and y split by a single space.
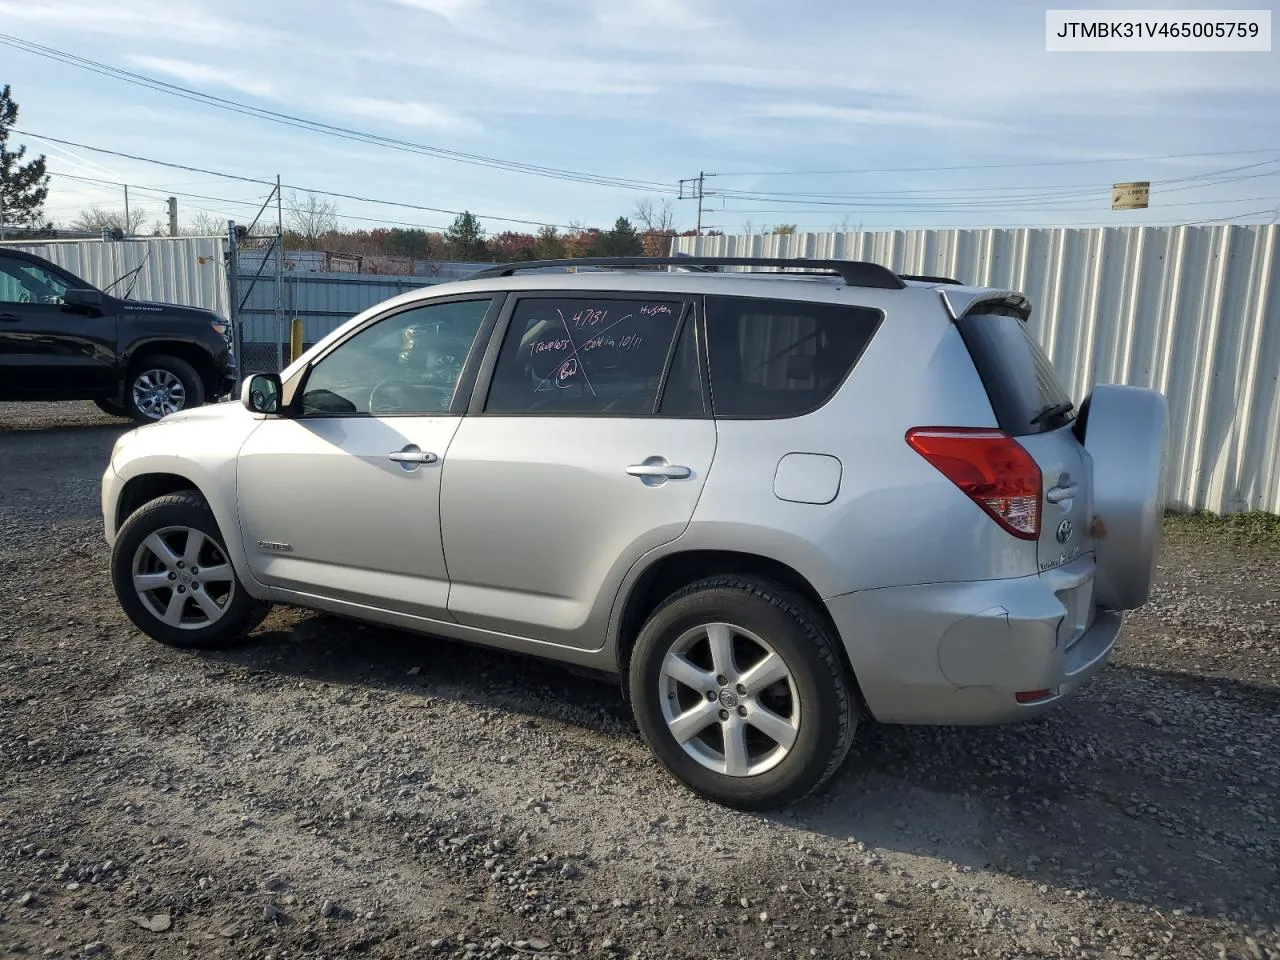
696 191
1 211
173 216
279 262
125 231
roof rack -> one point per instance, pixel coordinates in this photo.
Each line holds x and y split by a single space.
927 279
855 273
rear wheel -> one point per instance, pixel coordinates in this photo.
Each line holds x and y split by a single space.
174 580
738 689
159 386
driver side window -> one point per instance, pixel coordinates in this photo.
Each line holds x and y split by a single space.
407 364
22 282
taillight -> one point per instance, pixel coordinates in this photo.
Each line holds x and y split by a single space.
993 470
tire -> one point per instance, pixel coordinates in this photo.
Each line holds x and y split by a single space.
161 385
111 407
814 697
174 518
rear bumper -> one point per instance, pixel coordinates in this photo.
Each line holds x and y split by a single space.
959 653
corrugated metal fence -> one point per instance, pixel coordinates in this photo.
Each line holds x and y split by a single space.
1191 311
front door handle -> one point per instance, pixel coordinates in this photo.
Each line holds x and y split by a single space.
10 317
1063 492
668 471
412 457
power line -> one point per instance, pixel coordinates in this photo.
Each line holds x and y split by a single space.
271 183
1002 166
163 192
334 130
998 199
1072 191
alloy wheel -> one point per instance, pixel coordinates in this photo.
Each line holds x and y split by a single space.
157 393
729 699
183 578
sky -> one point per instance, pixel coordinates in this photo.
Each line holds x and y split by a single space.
941 113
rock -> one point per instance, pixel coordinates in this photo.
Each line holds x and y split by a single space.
569 871
537 944
414 671
93 949
272 914
27 900
275 883
156 923
328 909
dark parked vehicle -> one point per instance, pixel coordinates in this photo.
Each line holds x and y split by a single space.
62 339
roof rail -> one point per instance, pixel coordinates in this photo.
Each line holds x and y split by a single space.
927 279
855 273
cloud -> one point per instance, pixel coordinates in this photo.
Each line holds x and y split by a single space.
451 10
407 113
203 74
862 116
139 18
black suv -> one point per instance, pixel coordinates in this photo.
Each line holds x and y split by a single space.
62 339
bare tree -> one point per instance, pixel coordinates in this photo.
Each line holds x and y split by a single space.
749 228
95 218
310 217
654 218
205 224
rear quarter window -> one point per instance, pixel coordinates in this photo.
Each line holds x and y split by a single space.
1019 377
772 359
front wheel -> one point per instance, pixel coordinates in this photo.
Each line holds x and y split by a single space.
174 580
739 690
159 386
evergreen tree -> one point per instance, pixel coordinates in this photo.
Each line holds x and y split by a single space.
465 237
23 186
622 241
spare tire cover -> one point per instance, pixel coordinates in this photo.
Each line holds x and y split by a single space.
1126 435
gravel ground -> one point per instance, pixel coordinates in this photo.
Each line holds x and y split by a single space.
336 789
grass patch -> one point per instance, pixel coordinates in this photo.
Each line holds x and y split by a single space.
1254 529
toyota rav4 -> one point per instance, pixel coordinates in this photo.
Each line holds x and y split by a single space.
773 497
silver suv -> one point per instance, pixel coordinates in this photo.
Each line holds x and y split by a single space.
774 497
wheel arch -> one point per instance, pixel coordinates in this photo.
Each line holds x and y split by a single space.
146 478
142 489
668 573
201 360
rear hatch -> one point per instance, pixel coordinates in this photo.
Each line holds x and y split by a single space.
1032 405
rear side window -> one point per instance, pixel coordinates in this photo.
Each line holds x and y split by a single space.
1019 377
589 355
780 358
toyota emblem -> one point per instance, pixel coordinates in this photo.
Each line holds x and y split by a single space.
1064 531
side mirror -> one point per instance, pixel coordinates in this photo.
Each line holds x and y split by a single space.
261 393
87 300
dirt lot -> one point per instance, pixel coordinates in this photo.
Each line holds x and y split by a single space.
334 789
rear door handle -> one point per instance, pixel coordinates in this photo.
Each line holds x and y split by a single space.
668 470
1064 492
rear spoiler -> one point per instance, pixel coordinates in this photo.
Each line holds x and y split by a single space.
966 300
